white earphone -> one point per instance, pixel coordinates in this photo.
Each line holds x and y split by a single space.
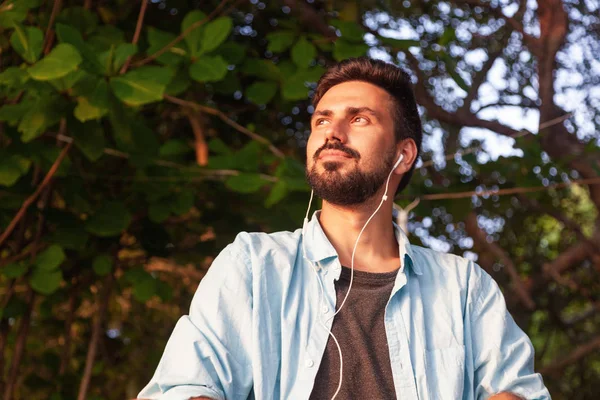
383 199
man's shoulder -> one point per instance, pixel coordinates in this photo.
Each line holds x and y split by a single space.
439 259
446 267
262 242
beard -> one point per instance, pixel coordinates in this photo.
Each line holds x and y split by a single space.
350 188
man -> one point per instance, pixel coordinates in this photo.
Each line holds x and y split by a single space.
406 322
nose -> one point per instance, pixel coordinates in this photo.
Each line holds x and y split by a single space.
336 131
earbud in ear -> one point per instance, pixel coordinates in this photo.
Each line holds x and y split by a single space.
399 161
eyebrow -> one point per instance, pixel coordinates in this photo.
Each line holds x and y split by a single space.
348 111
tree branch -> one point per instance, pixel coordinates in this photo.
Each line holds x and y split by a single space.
507 191
49 37
199 142
512 21
182 36
227 120
136 35
556 366
66 353
18 257
35 195
481 76
437 112
4 329
19 349
103 299
480 237
311 18
560 217
567 259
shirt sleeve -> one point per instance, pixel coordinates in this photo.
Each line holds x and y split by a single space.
208 353
503 355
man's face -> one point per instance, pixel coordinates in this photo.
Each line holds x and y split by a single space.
351 149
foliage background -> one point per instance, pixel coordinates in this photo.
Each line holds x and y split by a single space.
138 137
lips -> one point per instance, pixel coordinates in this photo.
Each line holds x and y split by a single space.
334 154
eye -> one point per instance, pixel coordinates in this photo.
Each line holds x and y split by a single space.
321 121
360 119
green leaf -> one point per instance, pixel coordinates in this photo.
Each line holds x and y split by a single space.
400 44
280 41
142 85
215 33
470 158
102 265
13 113
12 168
106 36
343 50
218 146
89 138
261 68
294 88
44 281
84 111
245 183
228 85
15 270
159 39
69 35
145 289
50 259
144 285
183 202
62 60
209 69
42 114
92 99
15 11
28 42
278 192
15 308
68 81
82 19
194 38
164 290
350 30
448 36
232 52
303 52
174 147
312 74
70 232
179 84
110 220
248 157
159 211
261 92
13 77
122 53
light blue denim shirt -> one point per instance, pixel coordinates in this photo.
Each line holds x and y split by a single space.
254 329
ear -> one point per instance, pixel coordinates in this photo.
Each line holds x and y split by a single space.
407 149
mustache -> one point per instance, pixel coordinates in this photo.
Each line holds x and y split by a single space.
336 146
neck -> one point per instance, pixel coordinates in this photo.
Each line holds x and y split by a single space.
377 249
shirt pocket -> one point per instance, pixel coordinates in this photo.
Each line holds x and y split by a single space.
445 370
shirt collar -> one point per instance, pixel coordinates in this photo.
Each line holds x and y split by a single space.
318 247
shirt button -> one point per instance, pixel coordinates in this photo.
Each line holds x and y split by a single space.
325 309
309 363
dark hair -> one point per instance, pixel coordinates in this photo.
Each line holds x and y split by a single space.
407 123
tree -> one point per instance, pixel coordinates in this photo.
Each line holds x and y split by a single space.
137 138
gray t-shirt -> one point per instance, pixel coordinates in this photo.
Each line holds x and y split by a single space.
360 330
